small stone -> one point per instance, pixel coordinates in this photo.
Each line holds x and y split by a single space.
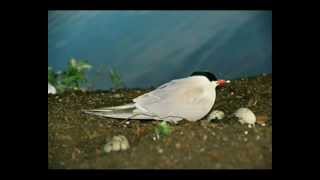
128 122
160 151
154 138
124 143
246 116
202 149
51 89
263 124
232 93
225 139
246 132
116 146
124 146
258 138
216 114
245 139
205 137
213 133
181 133
117 95
178 145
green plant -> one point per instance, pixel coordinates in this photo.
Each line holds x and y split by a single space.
71 79
163 129
116 79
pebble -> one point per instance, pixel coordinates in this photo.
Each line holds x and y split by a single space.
118 143
225 139
245 116
116 146
202 149
117 95
178 145
216 114
205 137
245 139
213 133
258 138
160 151
246 132
51 89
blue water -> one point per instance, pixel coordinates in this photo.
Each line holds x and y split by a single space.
149 48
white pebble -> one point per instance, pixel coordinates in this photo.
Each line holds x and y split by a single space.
116 146
257 138
51 89
107 148
216 114
205 137
118 143
245 115
246 132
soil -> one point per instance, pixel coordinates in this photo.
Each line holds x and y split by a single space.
76 140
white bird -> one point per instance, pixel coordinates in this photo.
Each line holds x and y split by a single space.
189 98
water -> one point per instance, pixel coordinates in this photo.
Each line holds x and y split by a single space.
149 48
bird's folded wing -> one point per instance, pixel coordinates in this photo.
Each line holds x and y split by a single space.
181 98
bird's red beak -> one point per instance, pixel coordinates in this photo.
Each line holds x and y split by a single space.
221 83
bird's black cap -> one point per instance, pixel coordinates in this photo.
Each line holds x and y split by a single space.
209 75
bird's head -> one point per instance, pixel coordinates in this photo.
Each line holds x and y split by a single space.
211 77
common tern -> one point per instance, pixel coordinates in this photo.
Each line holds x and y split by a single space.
190 98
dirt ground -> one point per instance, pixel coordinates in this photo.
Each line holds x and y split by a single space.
76 140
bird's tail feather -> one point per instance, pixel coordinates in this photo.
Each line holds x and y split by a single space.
118 112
